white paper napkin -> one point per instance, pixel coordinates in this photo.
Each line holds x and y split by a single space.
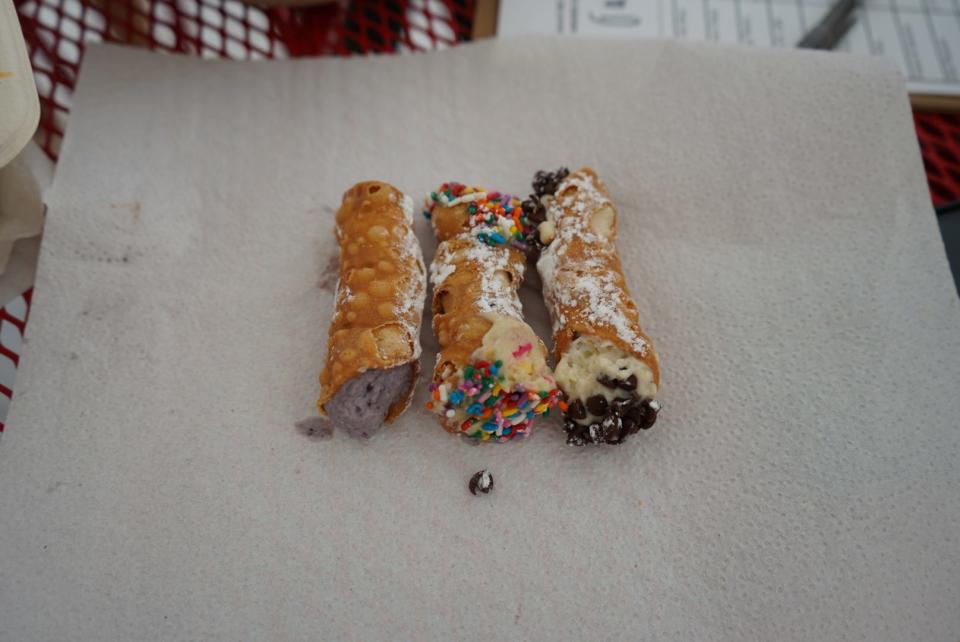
775 223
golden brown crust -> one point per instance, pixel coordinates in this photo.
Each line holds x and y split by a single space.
449 222
380 292
484 281
471 281
584 286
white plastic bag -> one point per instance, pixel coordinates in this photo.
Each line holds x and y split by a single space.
19 106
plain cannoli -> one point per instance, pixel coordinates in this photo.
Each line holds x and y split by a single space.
373 348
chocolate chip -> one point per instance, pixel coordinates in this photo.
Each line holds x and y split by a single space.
481 481
534 210
621 406
529 204
576 410
616 435
595 433
547 182
609 382
577 435
638 413
597 405
616 420
611 429
649 417
630 383
644 415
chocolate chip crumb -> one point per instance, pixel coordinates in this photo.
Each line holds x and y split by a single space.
609 382
547 182
577 410
535 214
621 406
532 251
596 433
481 481
630 383
649 417
612 430
534 209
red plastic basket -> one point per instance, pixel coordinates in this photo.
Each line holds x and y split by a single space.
939 136
57 30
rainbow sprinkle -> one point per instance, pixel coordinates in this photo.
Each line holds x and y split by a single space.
522 350
496 219
492 412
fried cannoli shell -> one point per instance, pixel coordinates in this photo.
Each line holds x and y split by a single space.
472 281
380 294
584 286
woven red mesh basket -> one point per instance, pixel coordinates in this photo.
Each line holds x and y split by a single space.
939 137
56 31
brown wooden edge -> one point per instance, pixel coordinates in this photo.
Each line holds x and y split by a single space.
484 19
931 102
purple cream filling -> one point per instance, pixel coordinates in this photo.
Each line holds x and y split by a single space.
361 404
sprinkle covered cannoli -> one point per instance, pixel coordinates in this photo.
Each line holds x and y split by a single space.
373 348
491 378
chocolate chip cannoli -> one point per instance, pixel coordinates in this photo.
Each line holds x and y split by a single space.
606 364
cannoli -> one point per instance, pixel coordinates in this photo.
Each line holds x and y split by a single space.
491 377
373 350
606 365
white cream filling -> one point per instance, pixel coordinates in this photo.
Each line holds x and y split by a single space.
589 357
547 231
506 341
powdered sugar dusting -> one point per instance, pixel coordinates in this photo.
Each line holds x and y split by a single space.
604 301
406 204
411 297
581 283
440 272
496 294
344 293
408 305
570 213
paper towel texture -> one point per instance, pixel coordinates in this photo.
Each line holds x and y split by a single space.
800 484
